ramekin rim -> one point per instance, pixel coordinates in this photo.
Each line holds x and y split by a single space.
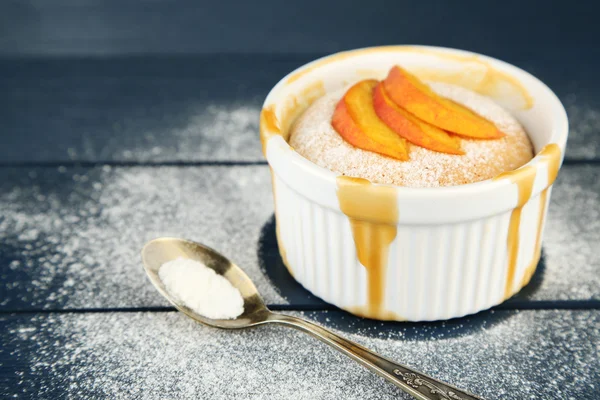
559 134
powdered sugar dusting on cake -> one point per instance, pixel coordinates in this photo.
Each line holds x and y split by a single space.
314 137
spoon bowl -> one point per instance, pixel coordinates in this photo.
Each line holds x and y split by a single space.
159 251
162 250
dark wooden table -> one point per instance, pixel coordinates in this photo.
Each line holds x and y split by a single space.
122 122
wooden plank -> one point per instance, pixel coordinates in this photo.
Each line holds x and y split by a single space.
555 29
151 109
500 355
196 108
70 237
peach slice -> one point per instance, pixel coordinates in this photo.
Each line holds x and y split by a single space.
356 121
408 92
411 128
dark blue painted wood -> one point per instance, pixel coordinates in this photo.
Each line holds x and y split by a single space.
160 88
192 108
170 108
70 237
548 30
545 354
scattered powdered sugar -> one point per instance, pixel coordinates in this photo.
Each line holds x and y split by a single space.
584 128
195 132
571 237
72 236
542 354
201 289
314 138
216 133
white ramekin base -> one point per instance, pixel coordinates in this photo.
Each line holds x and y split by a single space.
433 272
450 255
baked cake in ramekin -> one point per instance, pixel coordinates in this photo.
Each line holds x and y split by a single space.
443 222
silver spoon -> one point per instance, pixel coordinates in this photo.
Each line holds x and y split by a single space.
159 251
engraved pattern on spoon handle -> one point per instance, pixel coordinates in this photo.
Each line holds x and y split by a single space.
410 381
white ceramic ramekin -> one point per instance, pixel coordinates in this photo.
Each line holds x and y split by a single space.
457 250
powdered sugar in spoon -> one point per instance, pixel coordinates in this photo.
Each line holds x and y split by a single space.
160 251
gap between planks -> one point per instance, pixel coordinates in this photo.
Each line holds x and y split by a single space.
214 163
514 305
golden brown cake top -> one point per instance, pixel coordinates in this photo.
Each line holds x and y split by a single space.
314 137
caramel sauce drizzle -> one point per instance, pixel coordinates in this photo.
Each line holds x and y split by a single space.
551 155
537 254
372 210
478 75
373 214
490 81
291 108
524 178
269 126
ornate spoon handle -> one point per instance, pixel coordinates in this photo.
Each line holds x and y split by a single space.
412 382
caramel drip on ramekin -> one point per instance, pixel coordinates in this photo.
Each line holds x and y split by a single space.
269 126
373 214
290 108
490 81
551 154
524 178
537 252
